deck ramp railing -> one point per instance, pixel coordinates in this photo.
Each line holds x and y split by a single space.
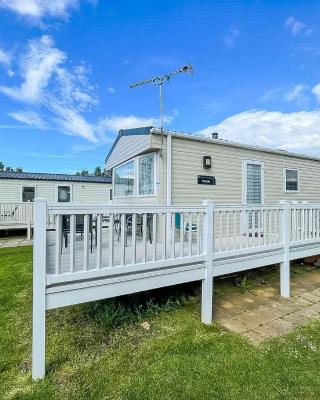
304 222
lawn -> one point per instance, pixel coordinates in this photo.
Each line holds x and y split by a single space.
101 351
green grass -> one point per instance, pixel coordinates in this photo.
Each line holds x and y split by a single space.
100 351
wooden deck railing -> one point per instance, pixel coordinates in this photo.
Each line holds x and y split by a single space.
96 252
16 214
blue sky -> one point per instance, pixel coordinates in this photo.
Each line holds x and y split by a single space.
66 66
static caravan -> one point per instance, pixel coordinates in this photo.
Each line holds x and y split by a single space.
173 168
159 232
19 189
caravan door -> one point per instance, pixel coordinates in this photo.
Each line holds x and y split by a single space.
252 192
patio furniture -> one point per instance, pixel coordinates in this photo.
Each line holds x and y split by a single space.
186 225
8 213
79 228
139 225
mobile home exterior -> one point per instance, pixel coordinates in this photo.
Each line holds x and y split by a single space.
19 189
16 187
167 168
154 238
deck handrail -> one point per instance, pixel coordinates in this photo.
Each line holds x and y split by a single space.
100 251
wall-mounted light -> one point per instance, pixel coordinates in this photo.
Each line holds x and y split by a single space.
206 162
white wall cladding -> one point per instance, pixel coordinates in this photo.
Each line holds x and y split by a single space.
128 147
82 192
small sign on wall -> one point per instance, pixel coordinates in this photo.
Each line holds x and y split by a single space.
206 180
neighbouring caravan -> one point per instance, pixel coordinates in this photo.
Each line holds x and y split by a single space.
167 168
19 189
16 187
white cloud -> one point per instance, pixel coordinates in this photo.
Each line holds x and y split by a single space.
48 81
73 123
316 91
37 65
297 27
297 94
51 82
271 94
38 9
4 57
116 123
231 37
297 131
28 117
111 90
5 61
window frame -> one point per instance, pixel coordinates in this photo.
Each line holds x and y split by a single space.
57 193
154 176
134 180
135 161
28 186
245 162
285 169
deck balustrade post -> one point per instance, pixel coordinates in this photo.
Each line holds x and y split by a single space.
285 264
207 282
39 287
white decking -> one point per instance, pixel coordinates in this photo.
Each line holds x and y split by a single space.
105 248
223 239
154 251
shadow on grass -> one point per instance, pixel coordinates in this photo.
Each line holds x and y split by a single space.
130 309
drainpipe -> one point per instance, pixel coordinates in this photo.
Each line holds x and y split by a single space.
169 172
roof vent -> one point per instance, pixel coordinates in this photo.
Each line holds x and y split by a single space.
215 135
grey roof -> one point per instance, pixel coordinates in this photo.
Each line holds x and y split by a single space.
151 130
40 176
225 142
129 132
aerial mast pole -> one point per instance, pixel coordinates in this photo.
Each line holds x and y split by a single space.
159 81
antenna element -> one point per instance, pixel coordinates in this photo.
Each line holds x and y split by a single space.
159 81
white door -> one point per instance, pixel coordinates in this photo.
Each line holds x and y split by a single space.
253 189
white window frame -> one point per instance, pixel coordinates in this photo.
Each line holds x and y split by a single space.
154 176
136 193
134 182
285 179
245 162
56 194
21 192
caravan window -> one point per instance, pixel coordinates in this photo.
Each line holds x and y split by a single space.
291 180
64 194
124 180
28 193
146 175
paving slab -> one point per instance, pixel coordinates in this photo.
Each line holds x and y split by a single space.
14 241
259 312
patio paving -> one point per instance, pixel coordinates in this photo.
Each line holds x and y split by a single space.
259 312
14 241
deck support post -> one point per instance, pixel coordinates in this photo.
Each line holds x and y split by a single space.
39 289
285 265
29 230
207 282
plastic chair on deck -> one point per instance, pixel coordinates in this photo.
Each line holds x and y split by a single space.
186 224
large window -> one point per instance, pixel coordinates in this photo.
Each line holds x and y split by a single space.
291 180
64 194
28 193
146 175
124 180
